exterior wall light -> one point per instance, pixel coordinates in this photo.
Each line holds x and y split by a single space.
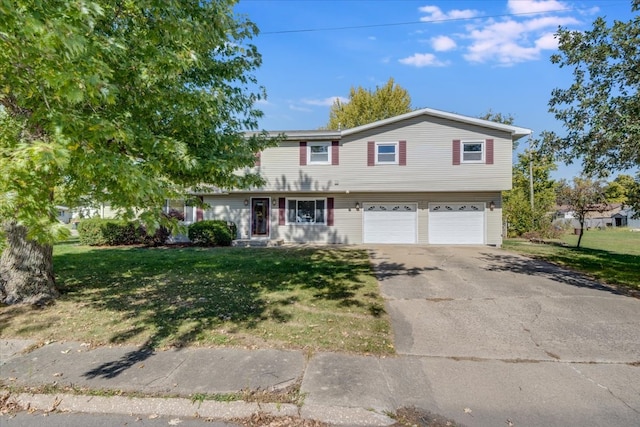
246 202
357 206
492 205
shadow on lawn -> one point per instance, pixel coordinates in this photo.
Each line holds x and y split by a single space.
587 259
180 294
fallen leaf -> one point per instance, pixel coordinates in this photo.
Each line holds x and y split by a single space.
510 423
57 374
467 410
175 421
65 351
153 416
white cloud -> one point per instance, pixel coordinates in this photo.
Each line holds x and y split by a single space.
326 102
535 6
510 41
372 38
434 13
423 60
443 43
297 108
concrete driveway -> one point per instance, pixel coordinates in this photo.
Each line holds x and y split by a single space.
486 303
489 338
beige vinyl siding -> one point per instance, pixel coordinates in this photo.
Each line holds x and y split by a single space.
429 161
349 221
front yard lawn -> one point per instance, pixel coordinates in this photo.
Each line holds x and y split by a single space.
311 298
610 256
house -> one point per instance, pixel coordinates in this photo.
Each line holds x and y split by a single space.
606 215
425 177
625 218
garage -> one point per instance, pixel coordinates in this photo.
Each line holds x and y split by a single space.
456 223
390 222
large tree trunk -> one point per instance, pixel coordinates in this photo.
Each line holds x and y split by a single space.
26 269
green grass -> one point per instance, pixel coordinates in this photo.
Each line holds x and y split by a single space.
300 298
610 256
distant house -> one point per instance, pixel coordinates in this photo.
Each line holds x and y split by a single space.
601 218
624 218
64 214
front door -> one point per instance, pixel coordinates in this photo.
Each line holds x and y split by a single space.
260 217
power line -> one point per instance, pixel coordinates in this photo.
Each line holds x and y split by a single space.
395 24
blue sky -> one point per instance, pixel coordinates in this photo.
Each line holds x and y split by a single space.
465 57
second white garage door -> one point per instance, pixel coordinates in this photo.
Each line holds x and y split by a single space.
390 222
456 223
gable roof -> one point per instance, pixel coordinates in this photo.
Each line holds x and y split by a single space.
515 131
325 134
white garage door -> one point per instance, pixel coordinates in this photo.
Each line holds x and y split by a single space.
390 222
456 223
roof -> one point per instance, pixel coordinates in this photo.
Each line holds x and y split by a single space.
515 131
324 134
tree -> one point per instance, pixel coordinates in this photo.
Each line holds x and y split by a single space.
519 213
600 109
367 106
583 197
126 103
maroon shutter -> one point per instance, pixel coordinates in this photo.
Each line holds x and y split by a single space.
199 211
258 159
489 154
403 153
335 153
303 153
456 151
282 204
371 153
329 211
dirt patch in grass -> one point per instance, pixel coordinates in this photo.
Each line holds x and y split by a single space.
318 299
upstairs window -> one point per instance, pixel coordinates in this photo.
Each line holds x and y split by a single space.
386 153
319 153
473 152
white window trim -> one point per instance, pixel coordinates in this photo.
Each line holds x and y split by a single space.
319 144
299 199
397 153
484 149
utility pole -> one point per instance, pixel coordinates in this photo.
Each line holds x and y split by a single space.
531 184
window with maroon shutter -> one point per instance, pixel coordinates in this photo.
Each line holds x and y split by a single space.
335 153
282 207
489 151
371 153
303 153
402 152
456 151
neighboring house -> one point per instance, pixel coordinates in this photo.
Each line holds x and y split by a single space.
63 214
608 216
425 177
625 218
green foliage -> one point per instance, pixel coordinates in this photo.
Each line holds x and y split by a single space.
600 109
506 119
211 233
367 106
110 232
517 211
127 103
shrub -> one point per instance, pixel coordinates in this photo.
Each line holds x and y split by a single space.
210 233
111 232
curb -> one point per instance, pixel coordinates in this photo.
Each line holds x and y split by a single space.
179 407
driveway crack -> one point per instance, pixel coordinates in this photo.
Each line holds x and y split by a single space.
591 380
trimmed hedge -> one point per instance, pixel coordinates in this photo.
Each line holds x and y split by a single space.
110 232
211 233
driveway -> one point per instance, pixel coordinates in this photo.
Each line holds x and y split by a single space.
486 303
490 338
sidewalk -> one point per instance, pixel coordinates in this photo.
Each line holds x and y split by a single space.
183 373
